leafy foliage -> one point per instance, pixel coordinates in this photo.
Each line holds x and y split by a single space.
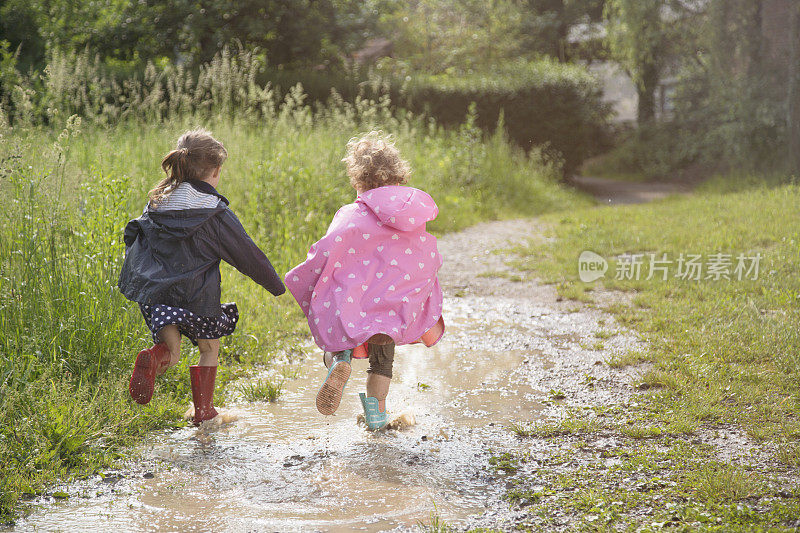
179 31
638 38
546 25
440 35
542 103
728 93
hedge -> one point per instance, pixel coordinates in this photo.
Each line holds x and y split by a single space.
543 103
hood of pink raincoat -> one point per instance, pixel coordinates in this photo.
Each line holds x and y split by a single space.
404 208
374 271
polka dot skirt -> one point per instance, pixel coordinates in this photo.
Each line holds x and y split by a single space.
190 325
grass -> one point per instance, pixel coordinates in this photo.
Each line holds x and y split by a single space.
67 337
436 523
570 425
716 482
720 353
721 349
629 358
505 463
522 498
659 483
260 391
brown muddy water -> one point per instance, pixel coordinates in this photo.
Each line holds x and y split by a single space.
284 467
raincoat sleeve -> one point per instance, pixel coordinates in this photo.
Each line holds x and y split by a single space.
131 233
238 249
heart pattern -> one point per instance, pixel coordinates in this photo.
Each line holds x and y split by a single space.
381 247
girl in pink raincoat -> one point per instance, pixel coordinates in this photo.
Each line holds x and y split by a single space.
370 283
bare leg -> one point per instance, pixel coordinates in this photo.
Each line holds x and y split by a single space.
209 352
172 338
378 387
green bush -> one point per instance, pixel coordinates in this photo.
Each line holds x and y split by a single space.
541 103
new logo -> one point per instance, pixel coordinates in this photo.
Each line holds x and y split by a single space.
591 266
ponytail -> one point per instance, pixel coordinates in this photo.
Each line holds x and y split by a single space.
175 166
198 153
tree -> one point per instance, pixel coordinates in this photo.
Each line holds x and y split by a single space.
18 26
437 35
793 92
289 31
637 35
548 22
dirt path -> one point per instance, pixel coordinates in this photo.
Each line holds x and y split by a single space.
613 192
513 353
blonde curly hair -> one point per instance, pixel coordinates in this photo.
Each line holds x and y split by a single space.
373 161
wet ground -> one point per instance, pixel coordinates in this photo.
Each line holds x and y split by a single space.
510 350
613 192
282 466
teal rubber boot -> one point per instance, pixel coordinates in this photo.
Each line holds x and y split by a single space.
374 418
330 394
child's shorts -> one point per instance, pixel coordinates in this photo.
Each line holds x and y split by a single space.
190 325
381 359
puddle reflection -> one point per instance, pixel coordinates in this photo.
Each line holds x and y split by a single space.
283 466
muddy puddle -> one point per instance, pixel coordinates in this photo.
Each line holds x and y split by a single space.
284 467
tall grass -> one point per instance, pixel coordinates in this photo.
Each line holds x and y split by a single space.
68 338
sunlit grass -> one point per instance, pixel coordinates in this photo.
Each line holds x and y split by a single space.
261 390
721 350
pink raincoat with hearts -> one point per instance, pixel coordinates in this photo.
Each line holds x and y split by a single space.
373 272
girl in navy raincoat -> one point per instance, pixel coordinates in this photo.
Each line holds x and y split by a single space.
171 268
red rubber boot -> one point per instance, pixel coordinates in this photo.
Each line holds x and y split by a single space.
148 364
203 378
